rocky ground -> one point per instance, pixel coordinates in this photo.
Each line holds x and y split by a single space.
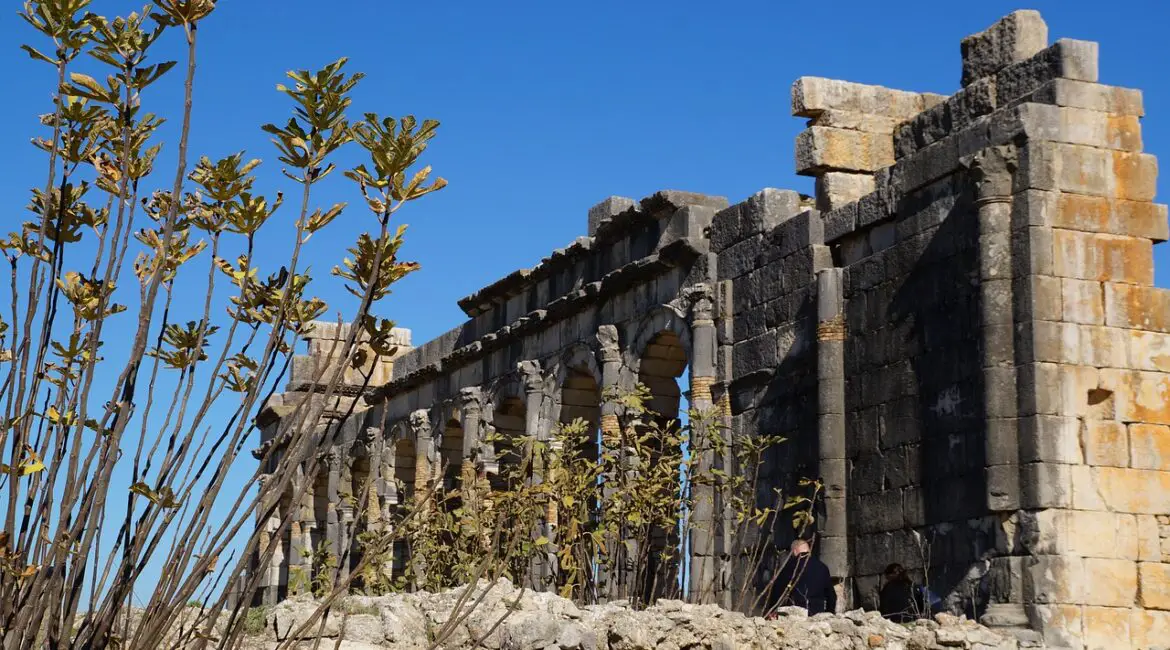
542 621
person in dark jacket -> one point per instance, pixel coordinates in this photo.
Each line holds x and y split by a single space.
900 600
804 581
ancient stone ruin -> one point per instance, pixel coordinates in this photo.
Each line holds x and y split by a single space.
959 335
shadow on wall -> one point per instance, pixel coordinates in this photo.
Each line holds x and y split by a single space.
935 428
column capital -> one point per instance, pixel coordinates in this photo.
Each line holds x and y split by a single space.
608 344
420 423
471 397
532 376
992 171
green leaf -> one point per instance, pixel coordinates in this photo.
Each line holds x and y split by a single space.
35 54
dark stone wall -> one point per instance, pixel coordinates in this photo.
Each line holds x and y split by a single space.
914 391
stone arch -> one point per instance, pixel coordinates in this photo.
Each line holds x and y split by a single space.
657 321
577 364
508 417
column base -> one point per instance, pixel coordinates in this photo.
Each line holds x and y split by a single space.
1011 619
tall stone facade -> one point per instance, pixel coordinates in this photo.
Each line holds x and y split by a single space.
959 336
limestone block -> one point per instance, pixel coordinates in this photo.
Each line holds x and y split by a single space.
1137 307
1149 544
1127 175
1083 301
1103 347
1121 490
1050 439
607 209
1061 625
1046 485
1054 579
1067 58
1090 256
1106 443
836 189
1110 583
1106 628
1149 629
1154 583
812 96
855 121
1135 175
1103 215
1139 396
820 149
1091 96
1015 37
840 222
1078 127
1149 446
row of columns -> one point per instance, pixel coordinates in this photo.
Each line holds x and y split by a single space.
478 459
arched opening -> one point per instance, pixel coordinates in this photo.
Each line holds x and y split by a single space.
662 365
318 535
365 506
402 492
509 423
581 400
451 455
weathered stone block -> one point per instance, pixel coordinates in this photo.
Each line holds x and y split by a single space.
1110 583
1046 485
1103 215
1060 624
1154 580
1090 96
1105 443
1149 541
1138 396
1103 257
1013 38
1067 58
1106 627
1122 490
836 189
840 222
1137 307
820 149
1149 628
1149 446
1053 579
856 121
1050 439
811 96
1135 175
607 209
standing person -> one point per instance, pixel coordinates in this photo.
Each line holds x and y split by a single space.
804 581
899 599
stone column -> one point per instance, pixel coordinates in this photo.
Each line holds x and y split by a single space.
297 545
833 532
263 567
611 435
425 453
991 174
334 536
424 443
373 507
537 429
703 572
471 420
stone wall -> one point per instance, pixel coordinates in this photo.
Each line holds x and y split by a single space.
958 335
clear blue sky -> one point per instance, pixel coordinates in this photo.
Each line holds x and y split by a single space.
548 107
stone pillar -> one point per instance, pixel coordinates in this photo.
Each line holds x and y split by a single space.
537 429
425 453
267 586
333 533
373 507
424 445
303 551
471 420
296 546
991 173
833 533
611 434
705 549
